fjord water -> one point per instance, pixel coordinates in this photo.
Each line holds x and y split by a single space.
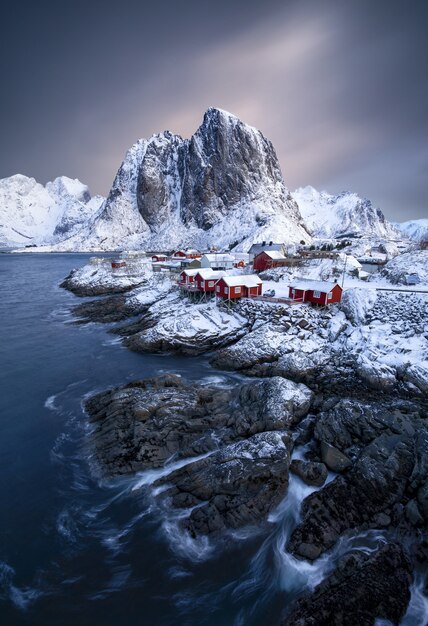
72 548
77 550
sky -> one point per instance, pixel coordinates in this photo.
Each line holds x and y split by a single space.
339 87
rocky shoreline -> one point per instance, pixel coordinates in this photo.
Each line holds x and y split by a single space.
321 379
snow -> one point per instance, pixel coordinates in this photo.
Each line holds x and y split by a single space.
415 262
415 229
332 216
32 214
250 280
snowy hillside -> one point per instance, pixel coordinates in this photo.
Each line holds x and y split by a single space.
415 229
346 214
222 187
31 213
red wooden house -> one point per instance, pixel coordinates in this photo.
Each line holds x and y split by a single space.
234 287
267 259
187 277
179 254
158 257
315 291
119 263
193 254
206 279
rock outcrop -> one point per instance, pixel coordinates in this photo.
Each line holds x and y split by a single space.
361 589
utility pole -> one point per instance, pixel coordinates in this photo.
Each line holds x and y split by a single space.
344 268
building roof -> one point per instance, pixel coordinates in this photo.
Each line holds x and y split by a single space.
206 273
190 272
218 257
256 248
247 280
273 254
313 285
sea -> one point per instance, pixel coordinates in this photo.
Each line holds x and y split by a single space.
76 549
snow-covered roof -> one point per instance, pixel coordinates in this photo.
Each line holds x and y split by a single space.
190 272
249 280
218 257
313 285
207 272
274 254
193 252
260 247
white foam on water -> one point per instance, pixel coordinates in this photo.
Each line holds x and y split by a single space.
417 611
148 477
50 403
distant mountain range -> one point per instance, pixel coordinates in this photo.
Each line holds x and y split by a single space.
31 213
415 229
222 187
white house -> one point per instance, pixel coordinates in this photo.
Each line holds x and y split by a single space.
218 261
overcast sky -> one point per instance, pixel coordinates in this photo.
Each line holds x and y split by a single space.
339 87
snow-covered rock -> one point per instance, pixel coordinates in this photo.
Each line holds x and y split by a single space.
401 267
221 187
356 303
346 214
175 324
98 277
31 214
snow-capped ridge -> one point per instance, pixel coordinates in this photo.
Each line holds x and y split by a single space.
221 187
31 213
346 213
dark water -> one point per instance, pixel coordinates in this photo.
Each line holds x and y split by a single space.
73 551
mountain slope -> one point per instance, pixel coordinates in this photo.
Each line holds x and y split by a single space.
221 187
32 214
345 214
415 229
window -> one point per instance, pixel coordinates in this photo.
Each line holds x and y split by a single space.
237 289
217 288
330 295
317 294
210 283
226 290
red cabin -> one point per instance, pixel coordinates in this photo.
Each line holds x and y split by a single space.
193 254
315 292
234 287
179 254
158 257
207 279
267 259
187 280
117 264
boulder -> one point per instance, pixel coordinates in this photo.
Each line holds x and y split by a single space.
235 486
361 589
310 472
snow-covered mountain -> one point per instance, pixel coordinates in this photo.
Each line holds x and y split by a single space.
414 229
346 214
33 214
222 187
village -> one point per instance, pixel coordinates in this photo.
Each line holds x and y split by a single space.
228 277
268 272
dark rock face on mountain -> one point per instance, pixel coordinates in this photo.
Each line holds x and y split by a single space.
171 192
361 589
226 163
